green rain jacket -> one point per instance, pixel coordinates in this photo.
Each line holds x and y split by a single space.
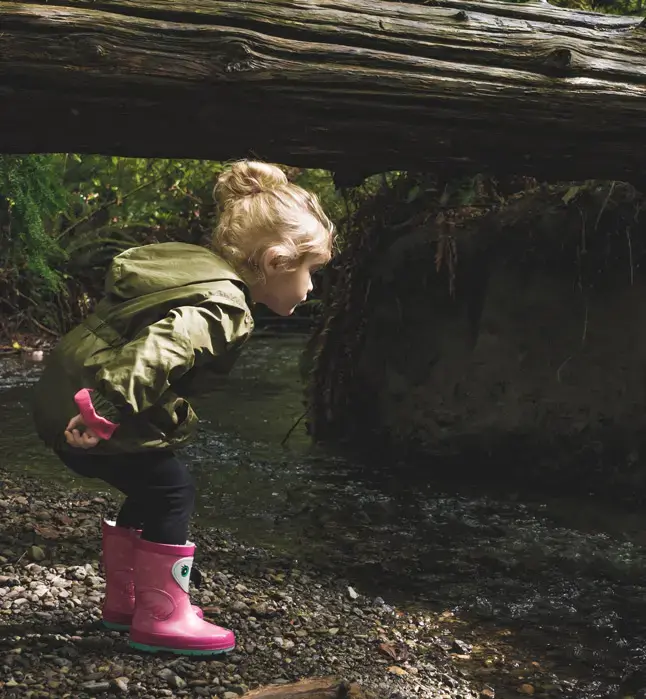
171 311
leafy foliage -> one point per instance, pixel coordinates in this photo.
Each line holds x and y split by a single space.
615 7
30 193
65 216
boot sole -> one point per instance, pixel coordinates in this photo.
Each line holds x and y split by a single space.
177 651
115 626
112 626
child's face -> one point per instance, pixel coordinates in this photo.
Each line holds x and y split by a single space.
283 290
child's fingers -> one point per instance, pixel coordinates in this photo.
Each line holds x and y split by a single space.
83 441
74 422
89 440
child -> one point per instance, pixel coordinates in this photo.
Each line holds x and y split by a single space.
111 401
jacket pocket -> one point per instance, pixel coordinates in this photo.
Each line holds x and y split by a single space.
173 416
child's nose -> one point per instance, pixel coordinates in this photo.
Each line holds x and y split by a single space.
310 286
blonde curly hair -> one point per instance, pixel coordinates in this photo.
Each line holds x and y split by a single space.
261 209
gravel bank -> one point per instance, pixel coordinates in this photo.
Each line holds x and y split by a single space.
291 623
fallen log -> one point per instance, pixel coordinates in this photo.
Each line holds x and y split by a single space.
355 86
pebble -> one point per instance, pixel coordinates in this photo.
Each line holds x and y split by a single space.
121 683
461 647
36 553
96 686
172 679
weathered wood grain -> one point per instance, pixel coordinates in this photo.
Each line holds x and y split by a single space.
350 85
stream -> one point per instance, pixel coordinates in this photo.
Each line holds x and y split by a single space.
562 579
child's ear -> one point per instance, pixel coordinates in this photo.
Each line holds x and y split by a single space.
273 262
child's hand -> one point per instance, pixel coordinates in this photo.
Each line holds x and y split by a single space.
75 438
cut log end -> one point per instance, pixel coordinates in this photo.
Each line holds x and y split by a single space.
314 688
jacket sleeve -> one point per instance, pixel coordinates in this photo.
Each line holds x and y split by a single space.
144 368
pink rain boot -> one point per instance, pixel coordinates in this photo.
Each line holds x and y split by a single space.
118 556
163 619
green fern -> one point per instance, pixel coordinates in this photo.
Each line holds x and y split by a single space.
31 192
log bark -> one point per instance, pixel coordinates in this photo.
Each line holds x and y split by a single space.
355 86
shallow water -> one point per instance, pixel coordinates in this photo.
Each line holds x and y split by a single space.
564 576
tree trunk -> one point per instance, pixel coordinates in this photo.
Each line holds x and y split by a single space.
355 86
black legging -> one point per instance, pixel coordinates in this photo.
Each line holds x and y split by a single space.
159 490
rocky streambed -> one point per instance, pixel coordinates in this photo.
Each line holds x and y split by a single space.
291 622
391 577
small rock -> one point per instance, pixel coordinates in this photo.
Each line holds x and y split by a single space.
239 606
36 553
121 683
353 593
94 686
461 647
229 695
396 670
526 689
172 679
260 609
487 693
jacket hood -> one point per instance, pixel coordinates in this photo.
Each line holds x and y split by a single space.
161 266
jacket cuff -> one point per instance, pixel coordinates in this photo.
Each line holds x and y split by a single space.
101 426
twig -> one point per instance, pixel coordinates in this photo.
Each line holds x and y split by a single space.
583 240
44 328
630 256
293 427
605 203
585 324
558 371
